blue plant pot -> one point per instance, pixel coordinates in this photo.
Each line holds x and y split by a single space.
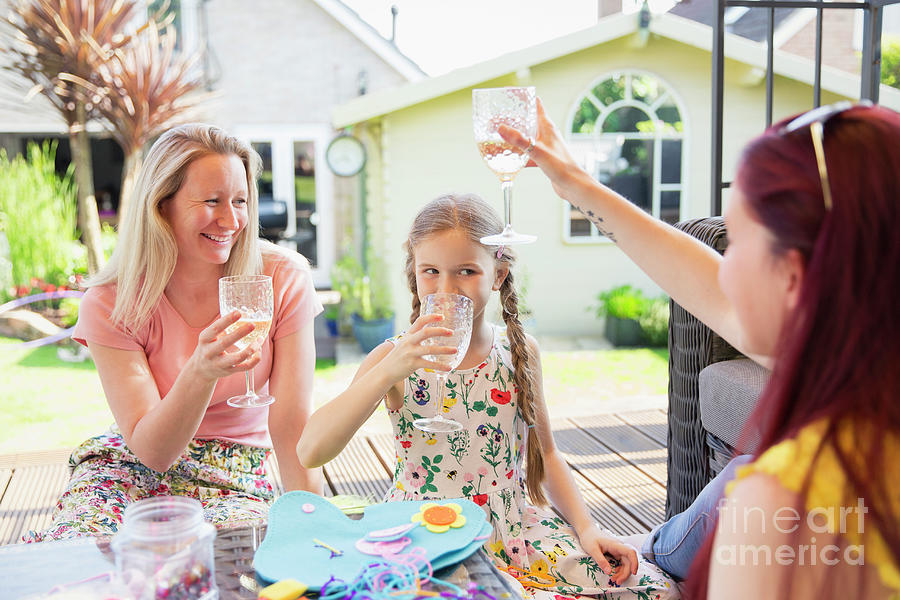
624 332
332 326
371 333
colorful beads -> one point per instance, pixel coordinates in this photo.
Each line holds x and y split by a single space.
193 582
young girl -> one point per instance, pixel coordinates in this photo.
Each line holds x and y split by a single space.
497 394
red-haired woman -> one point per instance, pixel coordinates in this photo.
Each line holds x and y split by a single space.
809 286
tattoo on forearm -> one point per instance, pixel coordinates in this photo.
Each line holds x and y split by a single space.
597 220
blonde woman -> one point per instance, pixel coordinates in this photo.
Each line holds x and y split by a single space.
151 321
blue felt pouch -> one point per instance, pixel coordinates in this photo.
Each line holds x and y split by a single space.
311 540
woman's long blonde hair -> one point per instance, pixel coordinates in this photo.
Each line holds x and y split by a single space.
146 252
475 217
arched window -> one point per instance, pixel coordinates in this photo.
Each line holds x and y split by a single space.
627 131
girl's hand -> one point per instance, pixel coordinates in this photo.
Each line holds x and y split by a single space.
408 353
596 544
549 153
211 359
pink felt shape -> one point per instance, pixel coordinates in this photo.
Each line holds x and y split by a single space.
383 548
391 533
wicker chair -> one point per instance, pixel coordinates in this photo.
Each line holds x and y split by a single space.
692 346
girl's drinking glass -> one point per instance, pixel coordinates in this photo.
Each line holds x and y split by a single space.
457 312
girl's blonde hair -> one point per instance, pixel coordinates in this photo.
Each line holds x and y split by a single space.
475 217
146 252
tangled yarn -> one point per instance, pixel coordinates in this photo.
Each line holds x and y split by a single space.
399 577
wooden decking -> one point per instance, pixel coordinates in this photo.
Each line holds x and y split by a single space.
619 463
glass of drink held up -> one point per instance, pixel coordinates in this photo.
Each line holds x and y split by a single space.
491 108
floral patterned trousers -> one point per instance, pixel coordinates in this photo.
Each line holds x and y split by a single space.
229 479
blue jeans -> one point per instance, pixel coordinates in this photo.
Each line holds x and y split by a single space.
674 544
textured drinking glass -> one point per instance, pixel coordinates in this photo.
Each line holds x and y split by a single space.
457 312
491 108
251 295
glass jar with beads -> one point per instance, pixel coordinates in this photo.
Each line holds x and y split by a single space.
164 550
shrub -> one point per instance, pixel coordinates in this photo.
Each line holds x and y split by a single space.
624 302
890 61
37 218
655 321
362 293
108 239
69 309
629 303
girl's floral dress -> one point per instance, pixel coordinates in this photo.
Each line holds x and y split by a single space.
229 480
483 462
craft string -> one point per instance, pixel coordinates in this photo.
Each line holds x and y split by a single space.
399 577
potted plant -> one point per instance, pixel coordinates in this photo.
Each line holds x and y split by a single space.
633 319
365 299
622 306
655 321
332 315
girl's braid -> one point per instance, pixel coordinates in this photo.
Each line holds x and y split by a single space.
523 373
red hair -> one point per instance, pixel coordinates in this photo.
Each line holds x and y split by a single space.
839 359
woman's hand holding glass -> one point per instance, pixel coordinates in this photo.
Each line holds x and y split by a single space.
212 359
492 108
550 154
252 296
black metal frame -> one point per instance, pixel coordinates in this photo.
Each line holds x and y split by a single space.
870 73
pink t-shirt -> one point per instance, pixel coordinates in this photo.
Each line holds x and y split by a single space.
168 342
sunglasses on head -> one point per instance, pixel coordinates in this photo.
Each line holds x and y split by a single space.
816 120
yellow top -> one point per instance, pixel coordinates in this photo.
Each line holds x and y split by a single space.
829 495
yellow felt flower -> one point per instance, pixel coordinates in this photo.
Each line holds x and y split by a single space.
438 518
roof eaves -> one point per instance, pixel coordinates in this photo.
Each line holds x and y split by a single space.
680 29
754 53
393 99
792 25
367 34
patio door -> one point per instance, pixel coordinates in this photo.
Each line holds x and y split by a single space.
294 172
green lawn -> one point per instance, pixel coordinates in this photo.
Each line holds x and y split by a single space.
604 375
48 403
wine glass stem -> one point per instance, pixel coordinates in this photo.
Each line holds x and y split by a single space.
506 185
248 375
441 384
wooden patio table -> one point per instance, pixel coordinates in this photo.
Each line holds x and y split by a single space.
34 569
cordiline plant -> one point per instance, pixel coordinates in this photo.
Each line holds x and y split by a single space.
57 38
141 90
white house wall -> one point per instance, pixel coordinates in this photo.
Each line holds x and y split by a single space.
286 61
429 150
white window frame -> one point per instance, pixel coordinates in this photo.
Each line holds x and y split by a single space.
669 94
190 26
282 138
189 31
